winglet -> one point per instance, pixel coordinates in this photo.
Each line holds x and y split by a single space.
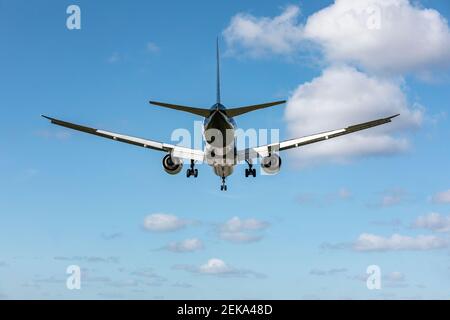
394 116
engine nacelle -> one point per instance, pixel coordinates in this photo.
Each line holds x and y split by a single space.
172 165
271 164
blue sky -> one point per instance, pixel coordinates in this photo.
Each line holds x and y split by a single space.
70 198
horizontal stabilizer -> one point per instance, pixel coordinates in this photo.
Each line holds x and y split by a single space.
241 110
198 111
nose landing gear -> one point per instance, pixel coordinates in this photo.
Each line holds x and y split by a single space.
250 171
192 171
223 187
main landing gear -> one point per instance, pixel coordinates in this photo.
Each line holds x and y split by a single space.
250 171
223 187
192 171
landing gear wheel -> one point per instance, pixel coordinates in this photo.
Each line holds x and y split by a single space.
250 171
192 171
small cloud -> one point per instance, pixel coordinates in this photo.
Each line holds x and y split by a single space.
335 246
90 259
87 277
114 58
395 280
187 245
329 272
127 283
344 193
442 197
217 267
390 198
395 276
161 222
369 242
152 47
256 37
49 280
362 277
148 277
434 222
182 285
239 230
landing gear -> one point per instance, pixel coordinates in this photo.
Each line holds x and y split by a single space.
192 171
223 187
250 171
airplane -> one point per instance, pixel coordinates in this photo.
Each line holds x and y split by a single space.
219 152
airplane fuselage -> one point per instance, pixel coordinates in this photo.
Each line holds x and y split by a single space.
219 135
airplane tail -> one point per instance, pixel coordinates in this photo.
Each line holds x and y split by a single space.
206 112
233 112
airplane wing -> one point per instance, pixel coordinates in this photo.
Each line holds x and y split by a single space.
176 151
264 151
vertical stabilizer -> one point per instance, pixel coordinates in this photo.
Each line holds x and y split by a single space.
218 72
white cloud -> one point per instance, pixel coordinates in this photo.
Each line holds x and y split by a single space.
241 230
380 35
215 266
433 221
371 242
386 35
257 36
343 96
187 245
395 276
218 267
152 47
389 38
161 222
442 197
330 272
390 198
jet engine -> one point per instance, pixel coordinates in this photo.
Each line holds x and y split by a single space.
271 164
172 165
